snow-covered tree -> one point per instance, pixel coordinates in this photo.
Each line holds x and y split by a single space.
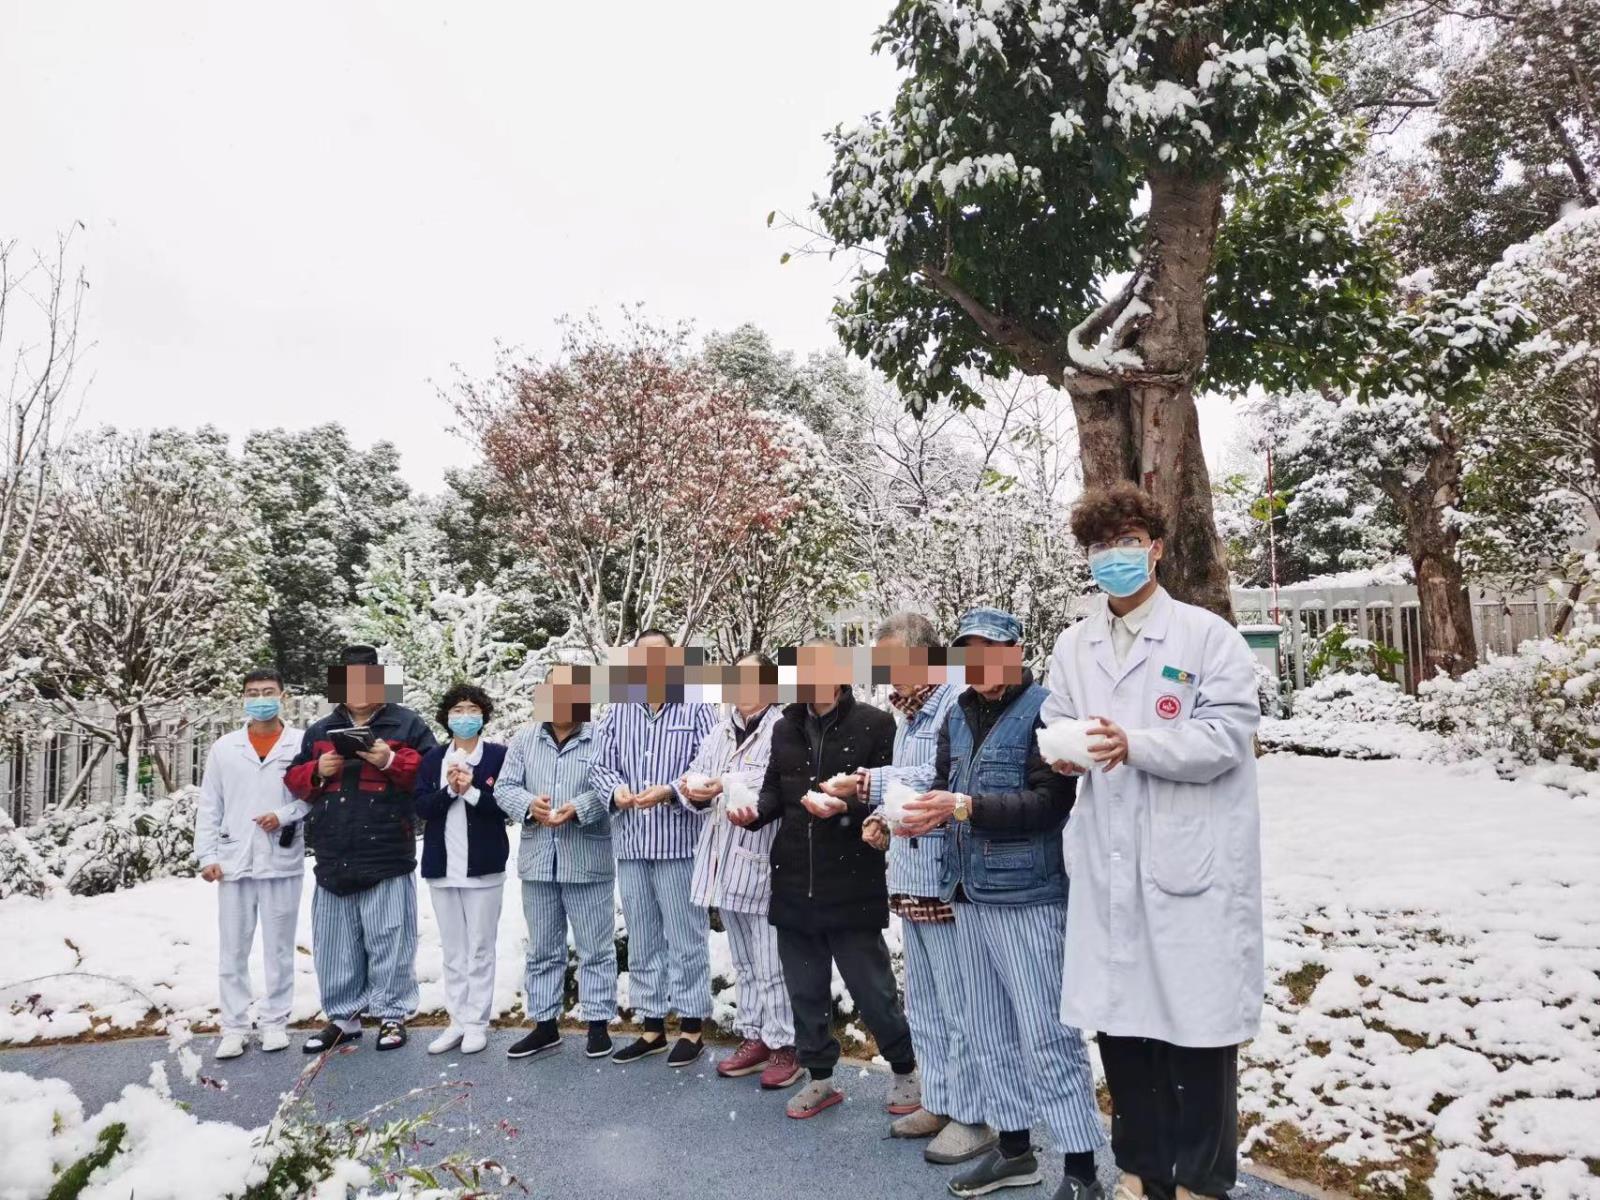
958 508
40 301
1499 102
417 607
1541 438
323 503
798 571
637 475
159 595
1004 192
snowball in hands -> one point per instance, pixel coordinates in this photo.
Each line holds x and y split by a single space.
895 799
1067 741
697 780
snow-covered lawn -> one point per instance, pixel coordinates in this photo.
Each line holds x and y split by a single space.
1433 950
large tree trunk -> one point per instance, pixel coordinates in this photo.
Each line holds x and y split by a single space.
1149 432
1448 641
1171 466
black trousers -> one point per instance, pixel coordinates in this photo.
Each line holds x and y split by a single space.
863 959
1174 1114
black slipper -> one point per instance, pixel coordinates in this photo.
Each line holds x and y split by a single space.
391 1035
326 1038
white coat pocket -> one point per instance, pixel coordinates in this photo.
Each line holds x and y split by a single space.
1183 838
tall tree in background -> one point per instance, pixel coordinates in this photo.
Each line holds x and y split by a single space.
637 475
40 302
797 571
159 595
324 503
1002 191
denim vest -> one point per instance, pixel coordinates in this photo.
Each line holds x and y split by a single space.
1000 868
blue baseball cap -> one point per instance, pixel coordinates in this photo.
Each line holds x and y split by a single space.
991 624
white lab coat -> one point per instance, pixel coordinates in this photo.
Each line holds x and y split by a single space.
238 787
1164 851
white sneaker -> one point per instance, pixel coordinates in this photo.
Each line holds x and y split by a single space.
446 1041
473 1040
231 1046
274 1037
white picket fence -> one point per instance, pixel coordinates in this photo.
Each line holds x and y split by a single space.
1389 616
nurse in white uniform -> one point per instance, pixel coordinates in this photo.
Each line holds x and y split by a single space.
1164 944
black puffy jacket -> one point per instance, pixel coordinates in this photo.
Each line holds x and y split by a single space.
823 875
362 826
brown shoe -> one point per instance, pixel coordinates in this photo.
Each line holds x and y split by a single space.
783 1070
750 1057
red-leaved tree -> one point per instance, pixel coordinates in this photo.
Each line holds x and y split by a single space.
638 476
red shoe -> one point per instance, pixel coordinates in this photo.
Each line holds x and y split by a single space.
749 1058
783 1070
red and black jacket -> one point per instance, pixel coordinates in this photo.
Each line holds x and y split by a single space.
362 826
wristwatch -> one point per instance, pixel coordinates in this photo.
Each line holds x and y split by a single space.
963 808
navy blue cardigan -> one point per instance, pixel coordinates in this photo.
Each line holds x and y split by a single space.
488 847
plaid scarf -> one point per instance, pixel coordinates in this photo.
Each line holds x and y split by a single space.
909 704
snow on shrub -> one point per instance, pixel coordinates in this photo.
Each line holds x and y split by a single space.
22 871
1540 704
97 848
148 1145
1354 697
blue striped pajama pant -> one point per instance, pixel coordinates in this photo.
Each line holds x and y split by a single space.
764 1010
591 909
935 1010
365 949
1031 1065
669 953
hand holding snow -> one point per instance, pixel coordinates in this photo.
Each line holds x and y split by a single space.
1067 741
895 798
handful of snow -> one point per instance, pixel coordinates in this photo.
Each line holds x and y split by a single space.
1067 741
842 777
895 798
738 794
697 780
824 800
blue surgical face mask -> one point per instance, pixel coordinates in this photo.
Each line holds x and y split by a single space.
1121 571
465 725
262 708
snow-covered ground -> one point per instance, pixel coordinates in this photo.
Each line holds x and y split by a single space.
1433 949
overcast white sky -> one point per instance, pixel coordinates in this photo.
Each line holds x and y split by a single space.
310 211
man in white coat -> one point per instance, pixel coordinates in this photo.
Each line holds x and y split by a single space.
1164 945
248 841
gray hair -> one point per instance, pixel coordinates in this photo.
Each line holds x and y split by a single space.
912 628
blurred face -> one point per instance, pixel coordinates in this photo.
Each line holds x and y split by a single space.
363 686
563 697
661 662
908 667
746 690
820 671
991 666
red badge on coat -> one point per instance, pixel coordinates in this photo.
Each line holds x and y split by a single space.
1168 707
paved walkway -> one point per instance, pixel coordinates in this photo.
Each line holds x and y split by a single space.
584 1129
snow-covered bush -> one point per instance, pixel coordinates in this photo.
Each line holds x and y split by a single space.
101 847
22 871
1540 704
147 1144
1349 696
1351 716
